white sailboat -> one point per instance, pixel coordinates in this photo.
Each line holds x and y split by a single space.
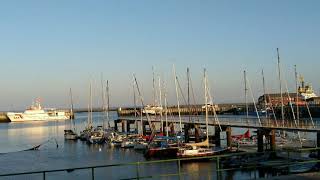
70 134
201 149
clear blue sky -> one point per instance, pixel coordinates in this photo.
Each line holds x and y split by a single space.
49 46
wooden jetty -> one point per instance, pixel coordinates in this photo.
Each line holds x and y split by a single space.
265 128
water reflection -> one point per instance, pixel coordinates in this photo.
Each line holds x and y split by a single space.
69 154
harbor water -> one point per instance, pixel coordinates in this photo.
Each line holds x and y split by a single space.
56 153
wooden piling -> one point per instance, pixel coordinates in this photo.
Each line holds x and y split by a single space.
197 133
260 134
318 143
123 126
116 125
272 140
128 126
229 137
217 136
186 133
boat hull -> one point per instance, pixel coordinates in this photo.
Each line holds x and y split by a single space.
161 152
21 117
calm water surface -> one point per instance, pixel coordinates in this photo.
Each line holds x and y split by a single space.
15 137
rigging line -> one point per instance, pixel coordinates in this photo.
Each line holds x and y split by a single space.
143 106
216 119
280 85
194 100
273 113
254 103
177 95
293 115
309 114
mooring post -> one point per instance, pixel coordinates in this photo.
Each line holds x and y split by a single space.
116 125
171 129
272 140
217 136
186 132
144 123
318 143
260 133
229 137
123 125
197 133
128 126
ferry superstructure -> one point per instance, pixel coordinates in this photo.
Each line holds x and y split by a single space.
37 113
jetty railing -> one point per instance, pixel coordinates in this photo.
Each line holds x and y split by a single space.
217 171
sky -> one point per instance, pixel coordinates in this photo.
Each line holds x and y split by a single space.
48 47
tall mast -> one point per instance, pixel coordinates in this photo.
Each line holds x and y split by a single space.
279 71
160 103
108 102
91 120
206 101
188 76
264 94
245 92
297 93
71 110
166 110
103 102
153 87
134 104
89 102
177 94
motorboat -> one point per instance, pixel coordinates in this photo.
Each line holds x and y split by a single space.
70 135
96 136
36 113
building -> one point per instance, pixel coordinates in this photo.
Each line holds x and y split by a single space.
275 99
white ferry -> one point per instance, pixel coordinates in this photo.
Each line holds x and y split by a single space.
36 113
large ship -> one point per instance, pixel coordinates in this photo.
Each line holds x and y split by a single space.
36 113
306 91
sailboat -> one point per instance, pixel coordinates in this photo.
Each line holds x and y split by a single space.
96 136
88 129
70 134
200 149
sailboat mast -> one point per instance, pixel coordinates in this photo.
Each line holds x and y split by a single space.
153 87
188 76
71 111
245 92
206 101
103 102
279 72
108 102
135 105
297 93
177 94
91 121
264 93
160 103
166 110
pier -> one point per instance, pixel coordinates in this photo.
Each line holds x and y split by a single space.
265 130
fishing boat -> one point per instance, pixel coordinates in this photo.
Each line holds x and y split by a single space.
36 113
